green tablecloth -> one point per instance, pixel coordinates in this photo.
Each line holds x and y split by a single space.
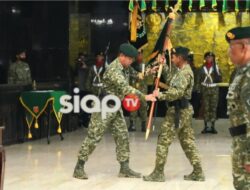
35 103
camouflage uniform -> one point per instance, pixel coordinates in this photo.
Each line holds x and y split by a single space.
142 86
180 86
115 82
19 73
238 99
210 94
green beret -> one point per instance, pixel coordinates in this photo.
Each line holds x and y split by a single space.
238 33
181 51
128 50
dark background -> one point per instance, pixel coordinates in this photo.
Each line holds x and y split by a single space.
42 28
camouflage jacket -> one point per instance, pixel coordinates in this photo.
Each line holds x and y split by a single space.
180 82
116 81
238 102
238 97
135 81
19 73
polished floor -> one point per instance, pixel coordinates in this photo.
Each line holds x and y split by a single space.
37 165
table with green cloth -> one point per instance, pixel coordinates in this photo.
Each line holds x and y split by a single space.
35 104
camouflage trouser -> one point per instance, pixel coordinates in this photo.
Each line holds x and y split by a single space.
210 97
185 134
142 112
241 178
116 123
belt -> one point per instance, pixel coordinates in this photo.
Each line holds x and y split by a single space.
238 130
181 104
178 105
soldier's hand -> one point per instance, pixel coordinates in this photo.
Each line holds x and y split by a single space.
247 168
161 59
171 15
150 97
154 69
156 93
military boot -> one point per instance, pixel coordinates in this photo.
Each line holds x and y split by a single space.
143 126
206 129
125 171
196 175
213 130
157 175
131 126
79 172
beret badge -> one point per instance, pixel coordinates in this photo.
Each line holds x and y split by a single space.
230 35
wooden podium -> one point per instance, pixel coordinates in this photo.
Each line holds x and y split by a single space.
2 159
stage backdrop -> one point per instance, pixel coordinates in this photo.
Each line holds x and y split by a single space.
201 32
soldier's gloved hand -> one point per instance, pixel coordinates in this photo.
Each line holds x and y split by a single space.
150 97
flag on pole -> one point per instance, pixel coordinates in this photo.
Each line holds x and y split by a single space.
138 35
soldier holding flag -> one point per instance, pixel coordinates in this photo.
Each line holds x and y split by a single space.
178 96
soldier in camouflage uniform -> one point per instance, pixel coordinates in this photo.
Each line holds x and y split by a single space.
178 96
19 71
208 75
115 82
141 85
238 105
96 74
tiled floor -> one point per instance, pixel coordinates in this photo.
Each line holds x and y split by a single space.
36 165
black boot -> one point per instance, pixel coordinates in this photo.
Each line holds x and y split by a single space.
143 126
205 130
213 130
131 126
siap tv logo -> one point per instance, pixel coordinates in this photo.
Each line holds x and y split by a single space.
108 104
